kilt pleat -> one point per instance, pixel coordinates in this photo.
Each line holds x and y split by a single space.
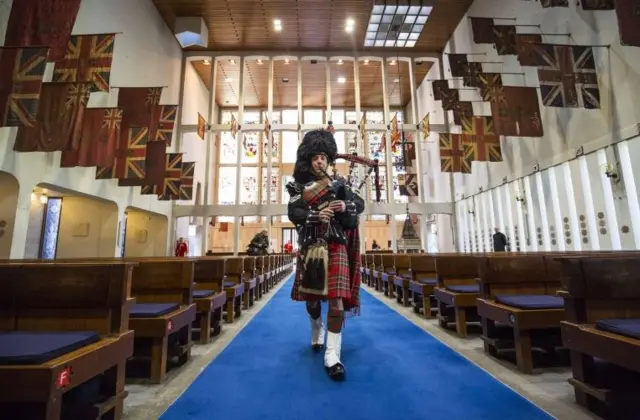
339 284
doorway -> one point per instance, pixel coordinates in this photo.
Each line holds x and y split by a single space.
289 235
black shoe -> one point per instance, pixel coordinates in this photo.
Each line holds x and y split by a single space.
317 347
336 372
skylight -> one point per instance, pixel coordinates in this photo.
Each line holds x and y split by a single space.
396 25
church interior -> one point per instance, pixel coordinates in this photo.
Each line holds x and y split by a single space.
472 252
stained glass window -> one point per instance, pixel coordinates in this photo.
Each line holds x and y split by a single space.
285 195
352 141
374 117
383 185
251 117
399 114
249 186
376 148
228 152
275 149
337 116
289 146
251 146
276 117
290 116
340 141
49 245
226 186
226 116
313 116
275 175
351 117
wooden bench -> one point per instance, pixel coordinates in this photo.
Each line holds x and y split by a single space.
423 281
209 275
64 340
161 317
402 278
602 332
250 280
518 307
456 291
386 274
237 289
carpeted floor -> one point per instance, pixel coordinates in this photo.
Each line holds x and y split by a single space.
394 371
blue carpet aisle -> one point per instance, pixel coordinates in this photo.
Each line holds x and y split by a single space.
394 371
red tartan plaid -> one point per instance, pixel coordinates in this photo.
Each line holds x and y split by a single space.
339 284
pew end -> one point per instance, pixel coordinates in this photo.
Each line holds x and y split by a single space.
602 331
64 356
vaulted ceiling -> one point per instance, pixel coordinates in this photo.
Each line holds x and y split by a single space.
307 25
314 78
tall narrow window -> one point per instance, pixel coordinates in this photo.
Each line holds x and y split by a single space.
49 242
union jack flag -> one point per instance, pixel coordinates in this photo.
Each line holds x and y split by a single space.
452 158
106 172
21 73
480 142
133 163
87 59
172 178
186 180
491 87
568 77
166 122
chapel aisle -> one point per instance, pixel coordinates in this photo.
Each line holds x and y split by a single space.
394 371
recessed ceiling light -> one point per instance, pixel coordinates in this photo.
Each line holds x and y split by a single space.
286 61
285 80
366 62
340 62
228 80
278 28
207 62
396 80
392 63
342 80
277 22
351 22
232 61
350 25
259 61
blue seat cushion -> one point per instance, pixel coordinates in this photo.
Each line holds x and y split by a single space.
228 284
34 348
427 281
531 301
627 327
464 288
150 310
203 293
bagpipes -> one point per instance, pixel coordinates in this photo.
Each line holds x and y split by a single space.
338 184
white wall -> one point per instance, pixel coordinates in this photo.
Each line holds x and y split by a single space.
99 240
146 54
8 201
146 235
569 204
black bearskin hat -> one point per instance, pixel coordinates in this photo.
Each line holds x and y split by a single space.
314 143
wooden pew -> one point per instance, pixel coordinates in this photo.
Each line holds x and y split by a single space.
403 276
260 277
519 292
423 280
233 272
376 269
82 306
386 274
602 332
250 280
210 275
162 333
456 291
368 270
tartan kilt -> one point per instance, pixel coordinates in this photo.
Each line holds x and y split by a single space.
339 284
